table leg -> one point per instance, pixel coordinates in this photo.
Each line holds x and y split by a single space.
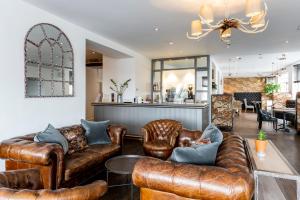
107 176
284 123
298 188
256 186
131 190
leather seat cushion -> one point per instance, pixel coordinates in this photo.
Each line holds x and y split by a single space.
158 145
79 162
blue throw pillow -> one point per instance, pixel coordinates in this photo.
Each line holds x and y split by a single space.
213 133
202 154
52 135
96 132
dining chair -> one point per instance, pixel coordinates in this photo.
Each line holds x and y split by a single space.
247 106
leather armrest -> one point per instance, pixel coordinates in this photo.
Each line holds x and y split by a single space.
145 134
92 191
28 151
191 181
21 179
116 134
188 138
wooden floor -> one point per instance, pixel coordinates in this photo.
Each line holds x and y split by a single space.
288 144
246 126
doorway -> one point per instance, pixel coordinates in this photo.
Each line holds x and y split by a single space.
94 77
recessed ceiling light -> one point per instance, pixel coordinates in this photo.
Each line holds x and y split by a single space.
286 41
171 43
156 29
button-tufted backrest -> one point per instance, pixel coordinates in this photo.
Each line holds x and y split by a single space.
232 156
163 129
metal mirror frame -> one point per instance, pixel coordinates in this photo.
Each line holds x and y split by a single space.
52 42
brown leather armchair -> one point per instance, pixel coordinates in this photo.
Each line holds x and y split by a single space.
160 137
27 184
230 179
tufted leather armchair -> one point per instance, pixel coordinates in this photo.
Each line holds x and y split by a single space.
230 179
160 137
27 184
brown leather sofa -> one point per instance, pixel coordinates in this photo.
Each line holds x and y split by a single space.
160 137
229 179
59 170
27 184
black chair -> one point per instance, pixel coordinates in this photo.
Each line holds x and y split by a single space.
264 116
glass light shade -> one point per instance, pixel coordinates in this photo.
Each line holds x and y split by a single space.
206 11
196 28
258 21
253 7
226 33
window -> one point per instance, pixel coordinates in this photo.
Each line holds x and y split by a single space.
296 82
283 80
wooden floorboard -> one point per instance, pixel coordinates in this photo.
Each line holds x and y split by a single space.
288 144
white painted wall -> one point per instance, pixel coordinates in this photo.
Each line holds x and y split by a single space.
93 80
143 77
19 115
218 76
121 69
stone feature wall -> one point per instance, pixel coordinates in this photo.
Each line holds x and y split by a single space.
222 111
253 84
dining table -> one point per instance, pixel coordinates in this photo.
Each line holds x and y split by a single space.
282 113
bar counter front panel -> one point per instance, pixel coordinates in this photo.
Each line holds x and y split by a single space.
135 116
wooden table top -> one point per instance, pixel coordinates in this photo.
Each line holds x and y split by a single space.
285 110
273 161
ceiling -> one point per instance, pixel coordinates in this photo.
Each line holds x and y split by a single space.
92 56
257 65
132 23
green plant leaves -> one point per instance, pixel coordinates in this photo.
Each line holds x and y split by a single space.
261 135
271 88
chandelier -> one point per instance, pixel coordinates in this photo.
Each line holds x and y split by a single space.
254 22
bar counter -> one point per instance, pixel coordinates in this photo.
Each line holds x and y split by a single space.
135 116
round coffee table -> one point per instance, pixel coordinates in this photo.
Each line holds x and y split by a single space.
123 165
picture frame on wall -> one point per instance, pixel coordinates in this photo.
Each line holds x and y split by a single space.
204 81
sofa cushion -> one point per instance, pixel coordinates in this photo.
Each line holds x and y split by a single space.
75 137
52 135
84 160
213 133
203 154
96 132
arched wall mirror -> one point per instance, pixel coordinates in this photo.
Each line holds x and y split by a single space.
49 62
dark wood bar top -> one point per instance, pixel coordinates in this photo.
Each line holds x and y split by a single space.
155 105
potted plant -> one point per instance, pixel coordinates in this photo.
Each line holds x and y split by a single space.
271 88
261 143
119 89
